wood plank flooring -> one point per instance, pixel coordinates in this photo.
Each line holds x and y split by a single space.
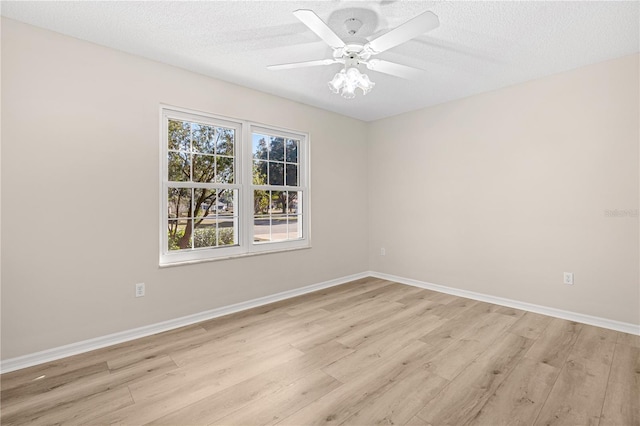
364 353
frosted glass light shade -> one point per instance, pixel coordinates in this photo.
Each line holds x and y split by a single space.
348 80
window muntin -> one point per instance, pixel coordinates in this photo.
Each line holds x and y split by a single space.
219 203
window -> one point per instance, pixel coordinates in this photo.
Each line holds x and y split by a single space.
230 188
276 194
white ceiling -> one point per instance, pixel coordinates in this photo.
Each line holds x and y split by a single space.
479 46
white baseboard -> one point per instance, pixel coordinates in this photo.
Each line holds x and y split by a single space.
544 310
53 354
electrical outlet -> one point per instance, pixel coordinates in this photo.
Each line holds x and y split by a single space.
383 252
139 289
568 278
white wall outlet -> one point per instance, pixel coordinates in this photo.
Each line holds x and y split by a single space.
383 251
568 278
139 289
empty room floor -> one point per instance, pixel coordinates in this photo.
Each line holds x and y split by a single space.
367 352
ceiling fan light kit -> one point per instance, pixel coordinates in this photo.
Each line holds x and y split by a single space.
352 55
350 78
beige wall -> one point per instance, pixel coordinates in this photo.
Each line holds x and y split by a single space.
503 192
80 193
499 193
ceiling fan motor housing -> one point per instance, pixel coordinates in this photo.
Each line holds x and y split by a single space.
354 51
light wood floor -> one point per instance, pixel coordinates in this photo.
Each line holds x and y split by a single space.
368 352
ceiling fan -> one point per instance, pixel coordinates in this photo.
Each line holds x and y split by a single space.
353 54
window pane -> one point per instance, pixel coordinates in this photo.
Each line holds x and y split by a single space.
261 229
278 202
226 232
292 175
295 202
276 173
204 138
292 202
226 204
179 234
260 147
224 170
204 233
261 201
179 136
292 151
278 227
179 202
205 202
276 149
204 168
179 166
260 172
225 141
295 227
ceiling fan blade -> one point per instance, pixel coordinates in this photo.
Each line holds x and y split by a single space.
405 32
302 64
317 25
394 69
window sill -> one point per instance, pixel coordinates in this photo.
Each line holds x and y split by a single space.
163 265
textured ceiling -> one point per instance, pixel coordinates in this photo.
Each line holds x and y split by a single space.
479 46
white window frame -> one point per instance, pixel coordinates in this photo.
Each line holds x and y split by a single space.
303 186
243 183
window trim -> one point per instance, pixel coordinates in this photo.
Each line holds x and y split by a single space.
243 183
